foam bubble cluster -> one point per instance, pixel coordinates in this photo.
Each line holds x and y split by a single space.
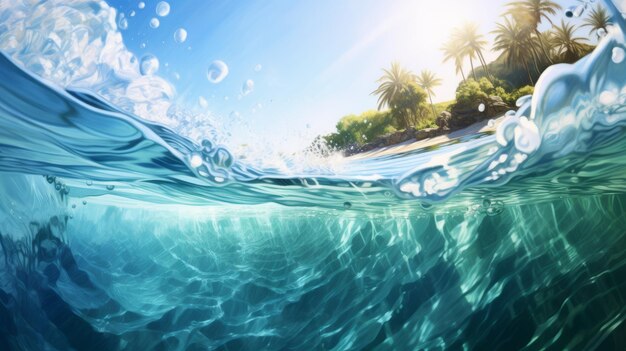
77 44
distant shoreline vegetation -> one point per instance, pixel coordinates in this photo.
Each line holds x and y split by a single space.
405 100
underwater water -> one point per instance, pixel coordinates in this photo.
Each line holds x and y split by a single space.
119 231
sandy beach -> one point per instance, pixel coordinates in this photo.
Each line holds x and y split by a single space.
478 127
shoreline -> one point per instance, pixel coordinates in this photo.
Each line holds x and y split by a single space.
413 144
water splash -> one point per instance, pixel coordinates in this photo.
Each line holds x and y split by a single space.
465 253
82 50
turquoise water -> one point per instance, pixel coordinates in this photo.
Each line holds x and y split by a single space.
118 233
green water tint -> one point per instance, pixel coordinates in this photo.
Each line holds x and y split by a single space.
550 275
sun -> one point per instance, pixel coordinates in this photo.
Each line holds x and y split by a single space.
431 22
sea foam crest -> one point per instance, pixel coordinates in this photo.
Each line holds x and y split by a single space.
572 105
76 44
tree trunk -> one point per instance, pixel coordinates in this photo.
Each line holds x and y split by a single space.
462 73
432 105
535 56
528 71
484 64
543 47
472 66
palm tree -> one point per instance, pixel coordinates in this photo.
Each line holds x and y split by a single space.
514 42
409 105
569 47
451 51
473 44
531 13
598 19
428 80
391 85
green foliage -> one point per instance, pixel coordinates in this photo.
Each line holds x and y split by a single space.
471 92
353 129
440 107
393 81
408 108
523 91
569 48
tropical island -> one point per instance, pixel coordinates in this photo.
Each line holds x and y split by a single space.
406 110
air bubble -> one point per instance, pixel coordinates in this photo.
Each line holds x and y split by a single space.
195 160
207 145
347 205
218 70
154 23
258 68
222 158
141 5
493 208
163 9
202 102
180 35
149 65
608 98
481 108
84 202
110 187
89 183
575 11
122 22
491 123
617 55
248 87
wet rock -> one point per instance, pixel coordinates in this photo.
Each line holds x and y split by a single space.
443 120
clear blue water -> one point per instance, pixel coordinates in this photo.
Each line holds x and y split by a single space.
123 234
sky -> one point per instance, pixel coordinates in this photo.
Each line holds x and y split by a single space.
319 59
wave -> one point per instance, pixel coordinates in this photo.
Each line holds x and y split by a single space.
123 229
91 134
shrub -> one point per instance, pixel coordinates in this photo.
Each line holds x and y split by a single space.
361 129
523 91
471 92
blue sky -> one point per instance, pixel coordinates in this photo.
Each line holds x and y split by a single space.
320 59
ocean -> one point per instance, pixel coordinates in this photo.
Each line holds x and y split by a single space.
123 233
